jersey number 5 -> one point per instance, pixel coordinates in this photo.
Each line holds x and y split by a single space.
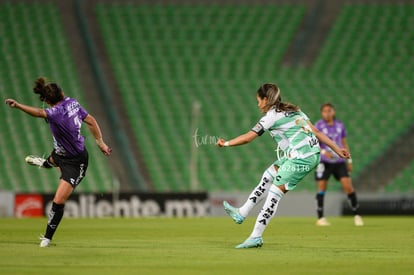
78 124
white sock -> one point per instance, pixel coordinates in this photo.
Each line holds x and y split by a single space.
258 192
268 211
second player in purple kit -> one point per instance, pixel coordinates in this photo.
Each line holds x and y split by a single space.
65 117
332 164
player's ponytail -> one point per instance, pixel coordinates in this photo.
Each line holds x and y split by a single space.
51 92
39 88
274 100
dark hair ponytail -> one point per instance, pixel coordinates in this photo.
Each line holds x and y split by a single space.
39 87
51 92
274 100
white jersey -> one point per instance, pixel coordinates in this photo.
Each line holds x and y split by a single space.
291 132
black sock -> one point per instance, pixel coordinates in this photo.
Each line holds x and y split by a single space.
55 215
319 200
47 164
353 202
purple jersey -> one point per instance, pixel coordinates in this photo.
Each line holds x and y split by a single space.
335 132
65 120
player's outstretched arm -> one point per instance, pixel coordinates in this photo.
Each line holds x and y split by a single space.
342 152
33 111
96 132
240 140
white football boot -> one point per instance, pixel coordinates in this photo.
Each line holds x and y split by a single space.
322 222
358 220
35 160
44 242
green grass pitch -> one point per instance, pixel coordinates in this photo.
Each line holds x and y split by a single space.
206 246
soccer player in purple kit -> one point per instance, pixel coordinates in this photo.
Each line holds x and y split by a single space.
332 164
64 116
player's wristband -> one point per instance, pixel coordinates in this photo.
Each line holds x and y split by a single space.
349 160
226 144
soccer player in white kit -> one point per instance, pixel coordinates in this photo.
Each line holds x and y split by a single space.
299 141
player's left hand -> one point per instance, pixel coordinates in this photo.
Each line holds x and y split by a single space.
343 153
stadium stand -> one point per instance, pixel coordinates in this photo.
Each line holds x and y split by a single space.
167 57
364 60
34 44
403 182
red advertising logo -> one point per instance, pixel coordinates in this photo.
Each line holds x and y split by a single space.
28 206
